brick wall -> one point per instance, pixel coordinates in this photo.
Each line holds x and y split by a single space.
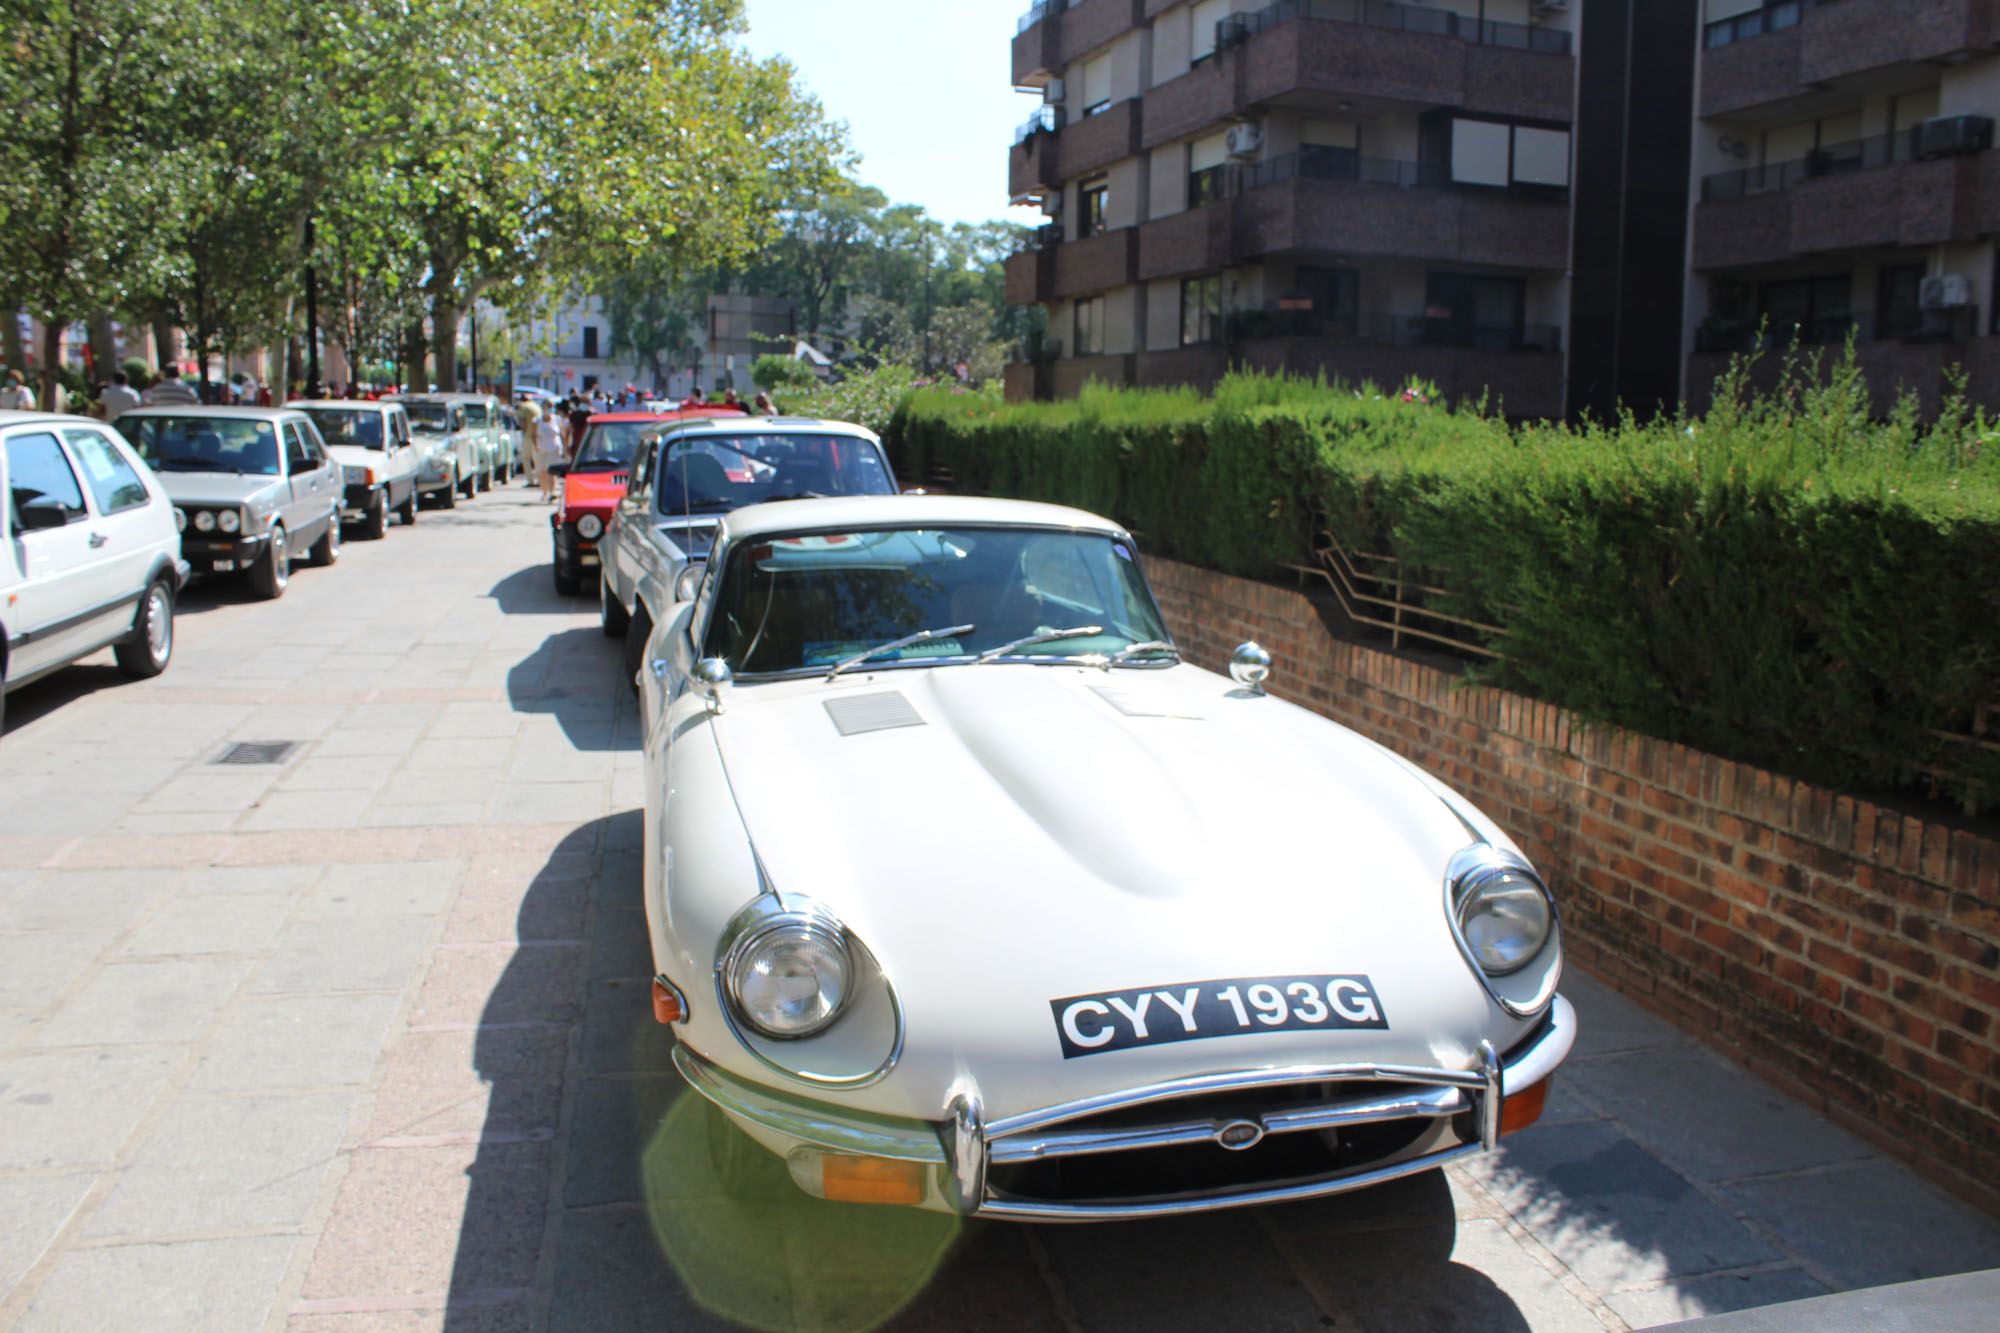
1847 952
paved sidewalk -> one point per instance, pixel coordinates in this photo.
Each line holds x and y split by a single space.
360 1041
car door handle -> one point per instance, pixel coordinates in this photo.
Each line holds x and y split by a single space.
97 539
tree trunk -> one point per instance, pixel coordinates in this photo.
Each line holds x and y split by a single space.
414 376
444 341
52 333
13 351
103 348
166 351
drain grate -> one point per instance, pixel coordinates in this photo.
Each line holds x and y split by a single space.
257 752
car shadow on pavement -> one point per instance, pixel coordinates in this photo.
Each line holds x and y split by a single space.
578 677
532 591
594 1175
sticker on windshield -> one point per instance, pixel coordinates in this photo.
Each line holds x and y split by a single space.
829 653
1118 549
1194 1011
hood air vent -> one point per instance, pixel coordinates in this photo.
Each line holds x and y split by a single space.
1131 705
855 714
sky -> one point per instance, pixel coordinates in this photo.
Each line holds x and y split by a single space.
925 87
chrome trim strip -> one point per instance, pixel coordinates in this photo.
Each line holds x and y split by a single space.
1489 1097
1433 1102
1024 1210
964 1138
808 1121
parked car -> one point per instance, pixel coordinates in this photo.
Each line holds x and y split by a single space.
378 463
89 555
593 483
253 487
687 477
497 453
448 449
965 891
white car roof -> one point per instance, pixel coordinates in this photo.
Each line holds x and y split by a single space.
741 425
210 410
906 511
16 416
344 404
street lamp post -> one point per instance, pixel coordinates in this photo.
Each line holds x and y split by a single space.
312 317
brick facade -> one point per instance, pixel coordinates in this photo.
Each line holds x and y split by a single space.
1843 950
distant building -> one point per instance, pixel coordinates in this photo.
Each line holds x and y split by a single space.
741 329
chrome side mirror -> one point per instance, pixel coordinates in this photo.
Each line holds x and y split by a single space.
712 673
1250 667
687 583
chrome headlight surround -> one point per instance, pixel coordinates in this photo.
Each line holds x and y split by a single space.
759 937
590 527
1523 983
204 520
229 520
180 519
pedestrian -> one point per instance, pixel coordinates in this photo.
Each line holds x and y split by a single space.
733 403
579 422
118 397
528 416
169 390
765 407
14 394
548 451
695 398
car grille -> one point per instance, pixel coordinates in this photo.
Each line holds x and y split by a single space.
1226 1142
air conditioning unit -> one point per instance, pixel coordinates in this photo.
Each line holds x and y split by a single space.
1245 140
1946 136
1945 291
1055 93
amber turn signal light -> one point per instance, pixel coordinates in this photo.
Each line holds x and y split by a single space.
871 1180
668 1007
1524 1108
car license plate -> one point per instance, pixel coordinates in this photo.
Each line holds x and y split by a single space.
223 566
587 558
1197 1010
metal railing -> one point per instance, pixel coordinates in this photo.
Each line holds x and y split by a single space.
1045 121
1911 325
1878 150
1381 592
1399 17
1038 11
1318 162
1771 18
1389 330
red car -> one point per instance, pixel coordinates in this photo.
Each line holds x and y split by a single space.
595 482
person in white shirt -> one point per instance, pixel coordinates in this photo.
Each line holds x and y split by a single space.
118 397
548 451
169 391
15 394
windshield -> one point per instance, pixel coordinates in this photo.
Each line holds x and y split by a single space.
341 425
712 473
809 603
429 418
609 445
203 444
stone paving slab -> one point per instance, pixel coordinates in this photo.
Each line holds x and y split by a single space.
362 1042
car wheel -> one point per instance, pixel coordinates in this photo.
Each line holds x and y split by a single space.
408 509
636 633
486 478
326 550
468 486
448 497
567 584
376 525
150 646
611 611
272 574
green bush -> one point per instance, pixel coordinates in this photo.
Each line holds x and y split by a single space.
137 372
1784 580
782 372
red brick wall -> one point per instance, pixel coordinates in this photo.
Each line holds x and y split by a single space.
1843 950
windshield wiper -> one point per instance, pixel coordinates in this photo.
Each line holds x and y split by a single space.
921 636
795 495
1046 636
1120 657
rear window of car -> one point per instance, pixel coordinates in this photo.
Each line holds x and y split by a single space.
111 479
203 444
703 473
339 425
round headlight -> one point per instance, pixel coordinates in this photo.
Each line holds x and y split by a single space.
204 521
790 978
1504 915
180 520
590 527
229 521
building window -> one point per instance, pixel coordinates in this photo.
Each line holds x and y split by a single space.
1810 310
589 341
1327 301
1090 326
1092 196
1899 308
1473 310
1201 309
1208 160
1496 154
1097 86
1206 16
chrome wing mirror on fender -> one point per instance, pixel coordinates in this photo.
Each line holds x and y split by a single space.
711 674
1250 667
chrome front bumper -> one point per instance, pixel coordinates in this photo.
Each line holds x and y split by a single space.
964 1144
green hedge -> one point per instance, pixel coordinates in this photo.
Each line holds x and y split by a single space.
1783 581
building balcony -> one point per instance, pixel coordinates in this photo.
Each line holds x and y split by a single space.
1199 240
1033 164
1867 194
1089 24
1518 369
1095 264
1784 51
1049 150
1068 376
1038 44
1029 275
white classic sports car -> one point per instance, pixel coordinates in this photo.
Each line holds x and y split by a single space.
966 892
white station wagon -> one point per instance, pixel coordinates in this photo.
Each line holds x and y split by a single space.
89 553
967 892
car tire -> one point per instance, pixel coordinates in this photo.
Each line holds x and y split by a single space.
448 496
326 551
469 486
567 584
486 479
407 511
145 652
611 612
270 576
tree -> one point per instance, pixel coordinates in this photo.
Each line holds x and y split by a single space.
653 321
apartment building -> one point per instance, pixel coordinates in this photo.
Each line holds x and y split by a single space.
1846 186
1380 190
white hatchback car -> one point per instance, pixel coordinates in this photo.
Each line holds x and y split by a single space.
89 553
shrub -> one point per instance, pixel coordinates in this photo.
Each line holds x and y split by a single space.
1784 580
137 372
773 373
